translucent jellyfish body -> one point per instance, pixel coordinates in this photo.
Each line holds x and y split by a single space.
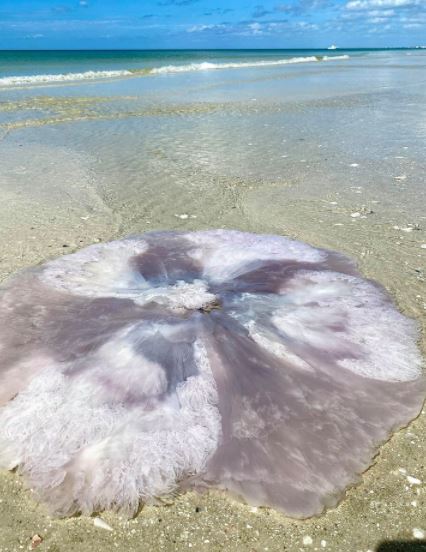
216 359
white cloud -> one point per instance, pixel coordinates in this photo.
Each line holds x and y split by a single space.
306 26
368 4
381 13
201 28
417 18
256 28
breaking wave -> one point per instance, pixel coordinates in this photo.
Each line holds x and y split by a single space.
45 79
61 77
206 66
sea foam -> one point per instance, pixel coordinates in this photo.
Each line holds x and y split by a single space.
46 79
207 66
61 77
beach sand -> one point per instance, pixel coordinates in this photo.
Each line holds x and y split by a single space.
326 185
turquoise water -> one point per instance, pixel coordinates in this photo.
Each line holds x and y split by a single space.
39 62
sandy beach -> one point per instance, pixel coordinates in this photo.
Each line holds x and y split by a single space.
339 166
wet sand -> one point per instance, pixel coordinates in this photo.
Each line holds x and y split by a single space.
58 196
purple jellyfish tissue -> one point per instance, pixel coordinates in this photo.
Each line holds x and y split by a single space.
216 359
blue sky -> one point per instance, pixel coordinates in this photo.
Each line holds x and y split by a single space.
28 24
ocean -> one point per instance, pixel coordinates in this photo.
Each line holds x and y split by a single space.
26 67
159 132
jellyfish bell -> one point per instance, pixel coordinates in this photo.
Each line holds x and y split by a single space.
218 359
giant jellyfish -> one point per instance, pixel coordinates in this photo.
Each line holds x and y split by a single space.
219 359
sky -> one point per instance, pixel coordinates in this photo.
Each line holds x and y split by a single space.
110 24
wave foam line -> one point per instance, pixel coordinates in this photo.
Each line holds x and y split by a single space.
47 79
203 66
206 66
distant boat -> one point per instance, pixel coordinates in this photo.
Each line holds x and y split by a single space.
332 47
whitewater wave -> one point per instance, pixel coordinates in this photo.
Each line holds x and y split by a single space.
206 66
62 77
190 67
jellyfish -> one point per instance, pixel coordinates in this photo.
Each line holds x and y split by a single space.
216 359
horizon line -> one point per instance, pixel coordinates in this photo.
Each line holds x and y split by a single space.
415 47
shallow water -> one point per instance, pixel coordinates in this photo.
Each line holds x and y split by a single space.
332 153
